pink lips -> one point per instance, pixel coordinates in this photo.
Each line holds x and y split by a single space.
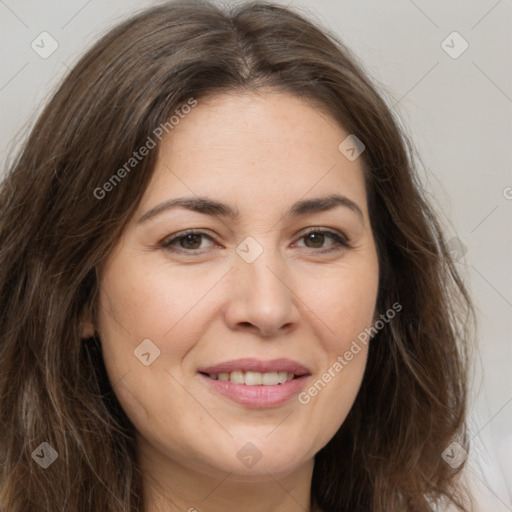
257 365
257 396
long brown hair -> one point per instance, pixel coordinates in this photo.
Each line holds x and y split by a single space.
55 231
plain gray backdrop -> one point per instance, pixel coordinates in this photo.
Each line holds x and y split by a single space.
454 101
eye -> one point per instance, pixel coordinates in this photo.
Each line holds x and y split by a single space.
190 241
185 241
314 238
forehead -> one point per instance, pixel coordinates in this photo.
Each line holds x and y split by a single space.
272 146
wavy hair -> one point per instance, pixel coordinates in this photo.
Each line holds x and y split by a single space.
55 232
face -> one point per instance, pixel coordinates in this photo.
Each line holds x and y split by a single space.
222 318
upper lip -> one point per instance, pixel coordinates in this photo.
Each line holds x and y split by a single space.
258 365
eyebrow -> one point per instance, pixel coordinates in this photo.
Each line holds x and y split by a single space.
212 207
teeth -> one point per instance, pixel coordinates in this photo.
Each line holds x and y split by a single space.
270 379
282 377
254 378
236 377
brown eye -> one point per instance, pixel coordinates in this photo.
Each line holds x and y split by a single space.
190 241
316 238
186 242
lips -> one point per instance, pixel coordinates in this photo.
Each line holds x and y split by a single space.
256 383
257 365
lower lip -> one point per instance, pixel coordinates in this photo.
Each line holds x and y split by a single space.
257 396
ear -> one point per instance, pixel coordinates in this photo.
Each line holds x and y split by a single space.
86 326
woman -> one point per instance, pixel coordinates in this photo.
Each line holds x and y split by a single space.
221 285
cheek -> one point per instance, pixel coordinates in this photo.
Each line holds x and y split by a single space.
143 320
137 304
331 396
345 303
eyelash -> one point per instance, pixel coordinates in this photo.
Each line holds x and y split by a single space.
340 241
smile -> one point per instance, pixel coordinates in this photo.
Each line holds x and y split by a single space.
256 383
254 378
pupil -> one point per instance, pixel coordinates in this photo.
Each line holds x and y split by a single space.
316 238
191 238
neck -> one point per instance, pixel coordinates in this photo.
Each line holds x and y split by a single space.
169 486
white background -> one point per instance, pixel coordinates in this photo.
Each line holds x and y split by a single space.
458 112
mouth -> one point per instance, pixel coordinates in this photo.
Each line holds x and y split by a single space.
256 383
253 378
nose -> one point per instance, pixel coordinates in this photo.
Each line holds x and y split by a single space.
261 297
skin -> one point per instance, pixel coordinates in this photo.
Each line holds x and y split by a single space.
259 153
